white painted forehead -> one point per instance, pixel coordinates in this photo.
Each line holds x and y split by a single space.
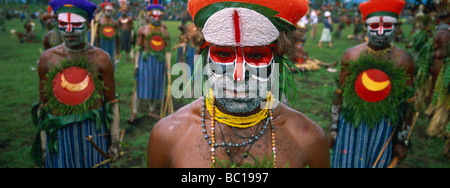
386 19
70 17
156 12
108 7
255 29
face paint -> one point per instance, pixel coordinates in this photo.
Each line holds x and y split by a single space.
155 17
240 75
380 30
72 28
238 97
108 10
235 61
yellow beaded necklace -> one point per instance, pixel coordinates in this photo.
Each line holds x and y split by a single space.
237 121
154 27
210 103
380 53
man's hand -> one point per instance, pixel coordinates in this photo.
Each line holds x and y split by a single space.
399 151
333 135
114 152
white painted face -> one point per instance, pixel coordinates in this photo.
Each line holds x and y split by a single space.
380 29
73 28
69 22
240 57
108 10
154 17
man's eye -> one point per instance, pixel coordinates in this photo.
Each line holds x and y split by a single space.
77 24
374 25
223 54
387 25
255 56
62 24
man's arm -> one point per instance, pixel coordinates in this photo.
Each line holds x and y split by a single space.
440 44
157 148
316 145
407 62
139 48
107 71
337 99
42 71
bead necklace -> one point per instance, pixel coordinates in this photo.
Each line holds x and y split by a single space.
212 139
227 149
86 46
237 121
379 53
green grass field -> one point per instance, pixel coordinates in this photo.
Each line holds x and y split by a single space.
19 89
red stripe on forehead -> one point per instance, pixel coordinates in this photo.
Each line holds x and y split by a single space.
69 26
237 27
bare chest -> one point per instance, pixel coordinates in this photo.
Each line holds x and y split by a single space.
195 151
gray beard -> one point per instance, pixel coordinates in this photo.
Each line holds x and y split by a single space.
239 105
155 23
74 43
380 41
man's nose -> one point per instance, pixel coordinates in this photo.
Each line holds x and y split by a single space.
69 28
381 30
239 70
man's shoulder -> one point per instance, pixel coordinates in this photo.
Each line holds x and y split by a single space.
98 52
48 34
142 29
180 121
403 56
355 51
47 54
298 124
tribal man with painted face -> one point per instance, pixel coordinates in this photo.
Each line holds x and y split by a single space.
77 96
108 32
372 108
152 60
439 99
242 46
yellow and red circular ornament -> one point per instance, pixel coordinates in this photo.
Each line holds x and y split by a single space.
108 31
373 85
157 43
72 87
373 90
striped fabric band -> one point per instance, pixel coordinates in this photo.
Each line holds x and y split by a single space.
74 151
360 147
150 78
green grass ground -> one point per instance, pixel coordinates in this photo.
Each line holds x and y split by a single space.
19 89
